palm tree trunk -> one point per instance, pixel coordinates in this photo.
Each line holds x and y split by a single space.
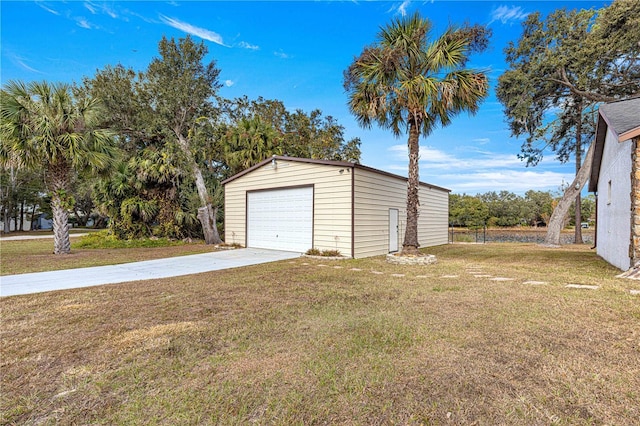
61 243
57 179
410 244
207 214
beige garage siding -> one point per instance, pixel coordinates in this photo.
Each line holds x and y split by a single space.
433 219
332 200
375 194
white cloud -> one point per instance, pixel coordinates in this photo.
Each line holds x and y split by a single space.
26 67
99 8
281 54
90 8
482 141
517 181
508 14
48 9
229 83
402 9
109 12
193 30
83 23
246 45
146 19
477 172
20 61
434 158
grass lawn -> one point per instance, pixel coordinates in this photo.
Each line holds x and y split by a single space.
19 257
335 342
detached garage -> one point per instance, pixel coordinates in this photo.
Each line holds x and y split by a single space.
295 204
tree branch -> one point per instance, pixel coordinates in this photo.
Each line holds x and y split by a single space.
596 97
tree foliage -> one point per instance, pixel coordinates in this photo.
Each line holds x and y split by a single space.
249 142
158 114
44 127
181 139
559 71
295 134
467 210
21 194
505 208
408 82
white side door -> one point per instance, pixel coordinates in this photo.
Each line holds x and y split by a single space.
393 230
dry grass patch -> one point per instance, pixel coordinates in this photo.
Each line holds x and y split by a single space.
24 256
294 343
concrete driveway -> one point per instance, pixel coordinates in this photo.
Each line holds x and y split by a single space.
11 285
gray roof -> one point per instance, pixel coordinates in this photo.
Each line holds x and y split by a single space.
621 117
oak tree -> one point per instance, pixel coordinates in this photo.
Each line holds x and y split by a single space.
562 67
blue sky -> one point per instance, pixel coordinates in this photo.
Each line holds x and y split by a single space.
294 51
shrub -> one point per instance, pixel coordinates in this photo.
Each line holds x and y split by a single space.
323 253
106 239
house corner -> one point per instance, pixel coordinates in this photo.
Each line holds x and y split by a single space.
634 246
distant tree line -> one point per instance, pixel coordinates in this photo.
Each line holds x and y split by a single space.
504 208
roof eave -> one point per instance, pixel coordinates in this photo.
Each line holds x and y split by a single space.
326 163
630 134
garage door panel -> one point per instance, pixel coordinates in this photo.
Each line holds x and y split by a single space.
280 219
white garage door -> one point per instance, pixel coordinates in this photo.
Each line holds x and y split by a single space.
280 219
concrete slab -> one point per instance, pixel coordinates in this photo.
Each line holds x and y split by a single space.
588 287
11 285
535 282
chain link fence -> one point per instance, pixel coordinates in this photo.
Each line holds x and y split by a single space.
483 235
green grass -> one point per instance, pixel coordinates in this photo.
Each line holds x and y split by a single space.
24 256
294 342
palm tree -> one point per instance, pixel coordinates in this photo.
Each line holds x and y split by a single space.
250 142
405 82
45 127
